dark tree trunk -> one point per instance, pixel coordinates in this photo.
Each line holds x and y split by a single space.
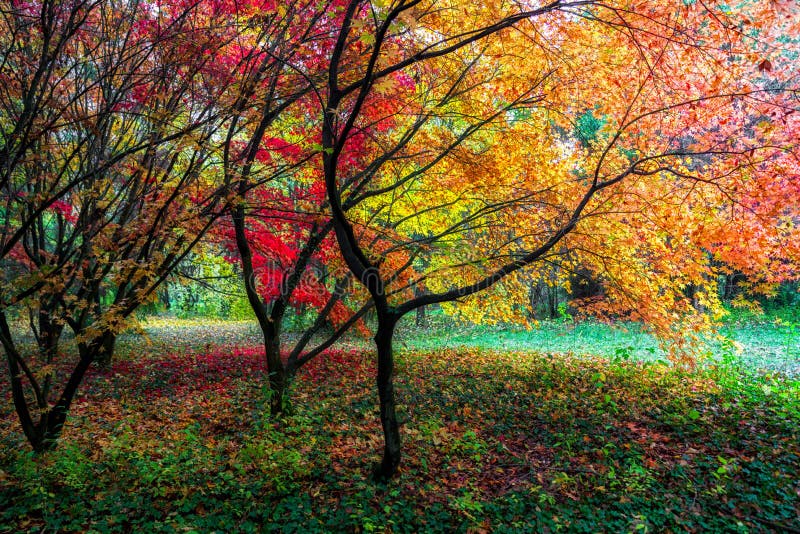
105 349
48 338
391 429
15 371
165 298
420 312
420 320
531 301
268 323
552 301
44 433
52 422
276 369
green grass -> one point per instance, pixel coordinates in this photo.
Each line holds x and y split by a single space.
174 437
586 338
761 344
767 345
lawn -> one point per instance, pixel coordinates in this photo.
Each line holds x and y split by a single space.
495 439
766 343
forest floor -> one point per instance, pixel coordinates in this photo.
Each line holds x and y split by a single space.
574 428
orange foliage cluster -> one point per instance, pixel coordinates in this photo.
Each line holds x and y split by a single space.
656 141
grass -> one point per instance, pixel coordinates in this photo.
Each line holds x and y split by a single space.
494 440
765 343
772 345
585 338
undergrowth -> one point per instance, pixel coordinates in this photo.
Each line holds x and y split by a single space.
495 441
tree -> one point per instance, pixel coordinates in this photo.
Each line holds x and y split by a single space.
278 234
281 232
106 183
679 84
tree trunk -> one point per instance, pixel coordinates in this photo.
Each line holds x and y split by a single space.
49 336
532 300
552 301
52 422
105 349
15 372
48 339
391 429
420 321
268 323
420 312
43 434
276 369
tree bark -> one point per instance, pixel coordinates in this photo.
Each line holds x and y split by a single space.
105 349
48 338
270 328
15 371
420 312
43 434
420 319
52 422
276 369
388 415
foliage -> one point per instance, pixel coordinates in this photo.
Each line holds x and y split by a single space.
450 147
107 133
497 441
658 188
205 285
491 165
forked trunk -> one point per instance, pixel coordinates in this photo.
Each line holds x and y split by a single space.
269 323
52 422
42 434
49 336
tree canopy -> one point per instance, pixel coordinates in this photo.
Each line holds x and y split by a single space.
438 152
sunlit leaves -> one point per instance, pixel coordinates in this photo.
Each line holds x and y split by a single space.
656 101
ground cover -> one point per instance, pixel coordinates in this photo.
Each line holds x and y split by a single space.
177 440
767 343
